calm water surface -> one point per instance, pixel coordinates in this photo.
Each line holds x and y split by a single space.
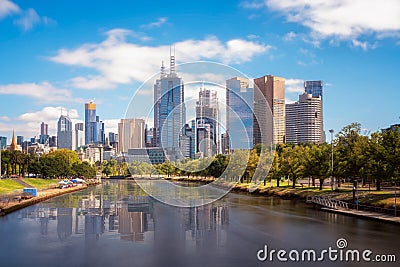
116 224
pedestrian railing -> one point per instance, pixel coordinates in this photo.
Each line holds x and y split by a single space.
327 202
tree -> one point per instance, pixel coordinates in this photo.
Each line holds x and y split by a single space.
319 164
347 145
293 162
84 169
218 165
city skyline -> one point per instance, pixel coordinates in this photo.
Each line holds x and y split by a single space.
67 62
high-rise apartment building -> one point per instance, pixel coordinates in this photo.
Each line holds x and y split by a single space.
304 120
269 110
131 134
64 132
169 110
239 114
207 118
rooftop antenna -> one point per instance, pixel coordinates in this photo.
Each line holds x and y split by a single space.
172 60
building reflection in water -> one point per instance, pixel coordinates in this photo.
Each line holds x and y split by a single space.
139 219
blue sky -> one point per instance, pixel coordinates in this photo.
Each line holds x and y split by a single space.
58 54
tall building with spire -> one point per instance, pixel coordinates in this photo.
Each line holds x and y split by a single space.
64 132
13 145
169 110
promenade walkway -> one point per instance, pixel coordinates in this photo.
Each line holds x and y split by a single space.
365 214
14 205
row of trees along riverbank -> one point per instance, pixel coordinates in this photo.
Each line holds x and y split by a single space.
372 158
59 163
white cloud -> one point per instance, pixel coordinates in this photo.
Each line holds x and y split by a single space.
4 118
294 85
44 92
345 19
120 62
111 125
252 4
29 19
47 114
155 24
28 124
253 36
91 82
290 36
289 101
7 8
363 45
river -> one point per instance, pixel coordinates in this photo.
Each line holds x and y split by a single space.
116 224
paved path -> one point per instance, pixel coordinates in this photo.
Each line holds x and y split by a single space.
365 215
43 195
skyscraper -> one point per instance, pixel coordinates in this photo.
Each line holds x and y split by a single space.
269 100
44 133
94 128
315 88
79 135
131 134
44 129
20 140
187 141
239 114
113 139
64 132
207 119
3 142
304 120
169 110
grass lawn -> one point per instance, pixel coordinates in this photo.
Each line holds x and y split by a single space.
9 186
40 183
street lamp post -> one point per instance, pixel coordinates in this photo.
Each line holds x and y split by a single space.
332 181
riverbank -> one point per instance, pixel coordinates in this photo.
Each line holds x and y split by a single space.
14 205
382 199
373 201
